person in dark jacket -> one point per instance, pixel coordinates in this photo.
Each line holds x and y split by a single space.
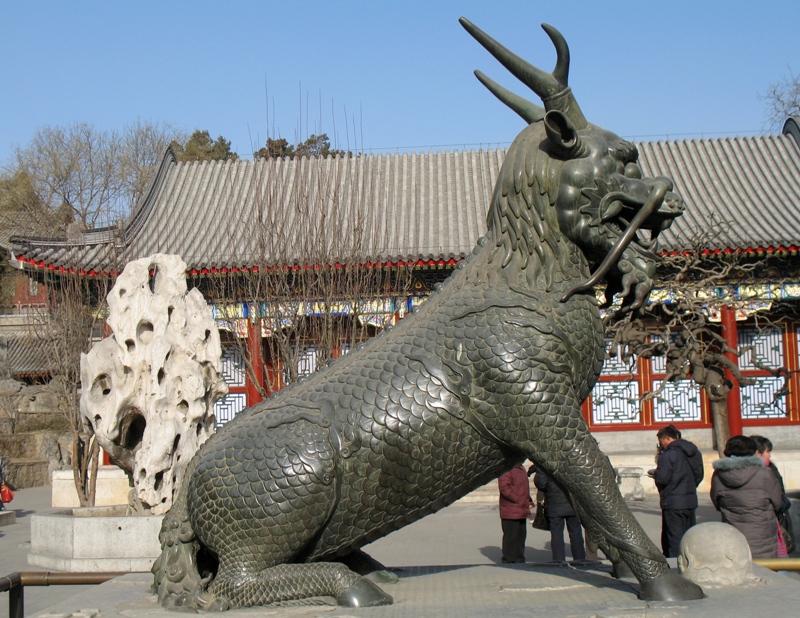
559 511
515 508
748 495
678 473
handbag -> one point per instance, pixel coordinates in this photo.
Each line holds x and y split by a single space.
6 495
540 519
785 523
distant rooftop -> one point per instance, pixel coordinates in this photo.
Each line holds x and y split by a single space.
420 207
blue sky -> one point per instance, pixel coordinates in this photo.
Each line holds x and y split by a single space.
385 75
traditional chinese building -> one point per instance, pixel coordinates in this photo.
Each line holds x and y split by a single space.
421 214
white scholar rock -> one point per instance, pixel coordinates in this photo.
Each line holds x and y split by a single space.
149 389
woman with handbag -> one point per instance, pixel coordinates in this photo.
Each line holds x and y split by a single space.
785 533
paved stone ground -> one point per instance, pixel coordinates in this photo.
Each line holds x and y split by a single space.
448 566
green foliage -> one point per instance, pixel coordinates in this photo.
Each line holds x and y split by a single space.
17 193
275 149
200 147
314 146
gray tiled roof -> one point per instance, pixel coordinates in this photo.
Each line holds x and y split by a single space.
428 206
749 185
27 356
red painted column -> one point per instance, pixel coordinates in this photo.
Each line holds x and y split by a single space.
255 361
731 335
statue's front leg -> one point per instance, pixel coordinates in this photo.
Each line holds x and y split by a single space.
564 448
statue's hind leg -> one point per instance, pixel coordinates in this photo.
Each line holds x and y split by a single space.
565 449
259 501
285 582
256 565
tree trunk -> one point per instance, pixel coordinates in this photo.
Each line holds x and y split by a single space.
94 457
77 468
719 416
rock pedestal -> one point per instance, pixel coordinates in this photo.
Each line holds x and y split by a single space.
94 539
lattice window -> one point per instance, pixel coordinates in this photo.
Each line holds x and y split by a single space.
759 401
306 363
228 407
616 403
233 367
615 366
767 347
678 402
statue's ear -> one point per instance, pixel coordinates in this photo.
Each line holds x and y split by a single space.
561 133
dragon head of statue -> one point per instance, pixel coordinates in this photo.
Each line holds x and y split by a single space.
602 202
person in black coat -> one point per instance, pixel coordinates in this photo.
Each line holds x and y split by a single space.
559 511
678 473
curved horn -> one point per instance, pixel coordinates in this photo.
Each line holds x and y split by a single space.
530 112
552 87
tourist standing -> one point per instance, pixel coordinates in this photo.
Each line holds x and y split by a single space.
515 508
559 512
785 542
678 472
748 495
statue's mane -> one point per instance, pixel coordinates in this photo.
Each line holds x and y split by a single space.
524 238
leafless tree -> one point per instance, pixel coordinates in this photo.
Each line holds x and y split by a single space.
142 145
93 177
67 328
310 288
783 100
691 286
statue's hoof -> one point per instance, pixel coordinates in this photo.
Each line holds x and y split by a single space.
670 586
363 594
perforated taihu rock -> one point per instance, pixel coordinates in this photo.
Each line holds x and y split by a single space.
149 389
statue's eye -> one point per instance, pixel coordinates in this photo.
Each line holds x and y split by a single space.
632 170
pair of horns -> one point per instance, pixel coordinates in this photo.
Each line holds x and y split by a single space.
552 88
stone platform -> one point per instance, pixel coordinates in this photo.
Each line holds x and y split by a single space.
8 517
471 592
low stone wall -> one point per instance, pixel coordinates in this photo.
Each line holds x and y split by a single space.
31 457
22 473
787 461
112 488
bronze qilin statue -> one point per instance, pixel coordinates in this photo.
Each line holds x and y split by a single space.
492 369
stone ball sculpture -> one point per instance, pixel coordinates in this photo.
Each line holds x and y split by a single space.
717 555
149 389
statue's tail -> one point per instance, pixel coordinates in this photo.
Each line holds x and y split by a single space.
178 581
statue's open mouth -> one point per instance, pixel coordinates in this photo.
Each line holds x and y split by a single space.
655 214
619 210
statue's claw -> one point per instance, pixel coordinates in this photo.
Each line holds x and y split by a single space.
670 586
363 594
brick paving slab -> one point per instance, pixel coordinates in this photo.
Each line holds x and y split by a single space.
423 556
472 592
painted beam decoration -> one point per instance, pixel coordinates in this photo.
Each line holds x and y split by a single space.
492 369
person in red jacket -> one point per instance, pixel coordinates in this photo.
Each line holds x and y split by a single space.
515 508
